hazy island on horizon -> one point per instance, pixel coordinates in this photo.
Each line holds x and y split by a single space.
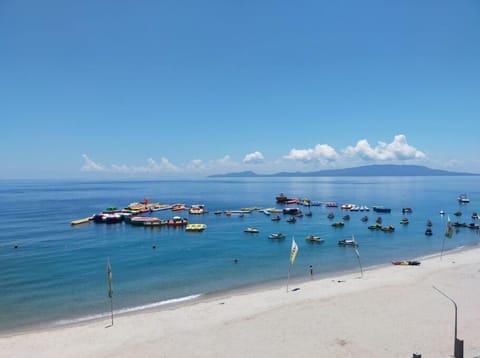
367 170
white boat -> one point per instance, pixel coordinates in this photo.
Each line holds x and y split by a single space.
251 230
195 227
463 198
277 235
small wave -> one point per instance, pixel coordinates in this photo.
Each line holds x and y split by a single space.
126 310
158 304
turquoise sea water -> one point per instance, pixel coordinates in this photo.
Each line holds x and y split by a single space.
57 273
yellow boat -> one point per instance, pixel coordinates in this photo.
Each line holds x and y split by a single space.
195 227
81 221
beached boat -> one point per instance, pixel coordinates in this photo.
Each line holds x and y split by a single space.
251 230
406 263
195 227
313 238
347 242
277 235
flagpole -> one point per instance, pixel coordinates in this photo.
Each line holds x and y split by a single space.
293 255
448 233
443 245
111 308
358 256
288 276
110 290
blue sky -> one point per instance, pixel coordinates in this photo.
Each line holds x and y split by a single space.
161 89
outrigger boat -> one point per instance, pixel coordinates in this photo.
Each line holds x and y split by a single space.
406 263
347 242
313 238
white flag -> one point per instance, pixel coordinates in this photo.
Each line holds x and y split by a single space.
294 252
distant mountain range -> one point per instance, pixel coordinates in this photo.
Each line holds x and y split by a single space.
364 171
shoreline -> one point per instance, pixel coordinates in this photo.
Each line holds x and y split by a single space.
398 305
207 296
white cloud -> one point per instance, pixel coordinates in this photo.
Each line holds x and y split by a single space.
196 165
164 166
399 149
255 158
91 166
296 160
320 153
226 160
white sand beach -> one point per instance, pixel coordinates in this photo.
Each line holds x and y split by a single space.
391 312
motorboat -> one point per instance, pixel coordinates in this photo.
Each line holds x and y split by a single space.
195 227
381 209
277 235
251 230
313 238
347 242
463 199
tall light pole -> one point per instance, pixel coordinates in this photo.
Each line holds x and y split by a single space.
457 344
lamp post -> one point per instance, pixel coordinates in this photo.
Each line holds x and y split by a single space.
458 344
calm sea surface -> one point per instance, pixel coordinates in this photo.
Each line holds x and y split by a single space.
57 273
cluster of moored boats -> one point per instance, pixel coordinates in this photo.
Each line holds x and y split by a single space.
133 214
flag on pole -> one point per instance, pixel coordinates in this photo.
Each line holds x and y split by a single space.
293 253
449 231
109 278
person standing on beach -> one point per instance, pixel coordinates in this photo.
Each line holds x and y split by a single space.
311 272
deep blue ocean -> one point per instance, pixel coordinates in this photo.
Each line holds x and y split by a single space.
55 273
